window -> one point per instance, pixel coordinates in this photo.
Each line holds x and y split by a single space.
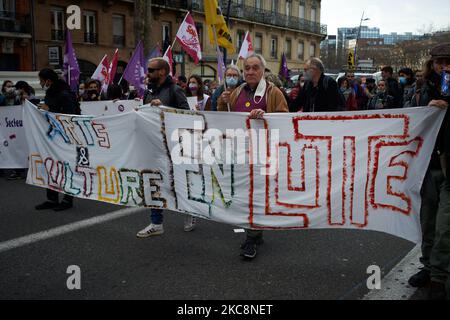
57 21
199 27
313 14
118 30
274 47
258 4
240 39
258 43
288 8
288 49
196 5
312 50
90 27
274 6
301 10
166 38
6 7
205 72
301 51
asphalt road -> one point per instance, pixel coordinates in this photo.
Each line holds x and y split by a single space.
201 265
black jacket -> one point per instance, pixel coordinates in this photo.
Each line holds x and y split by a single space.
325 97
393 89
169 93
431 91
60 99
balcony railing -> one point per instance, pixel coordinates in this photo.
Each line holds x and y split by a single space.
250 13
263 16
14 22
90 37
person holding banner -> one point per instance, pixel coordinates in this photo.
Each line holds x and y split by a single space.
92 93
195 90
58 99
435 210
8 96
258 97
233 79
162 91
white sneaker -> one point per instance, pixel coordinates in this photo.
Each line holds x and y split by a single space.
189 223
151 230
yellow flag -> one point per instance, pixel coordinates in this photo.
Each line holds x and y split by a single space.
351 60
214 17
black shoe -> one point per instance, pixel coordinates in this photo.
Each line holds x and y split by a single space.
46 205
14 176
420 279
437 291
249 249
63 206
258 242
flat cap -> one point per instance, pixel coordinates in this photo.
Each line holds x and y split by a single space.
441 51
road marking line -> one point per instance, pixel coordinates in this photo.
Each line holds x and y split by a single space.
394 286
51 233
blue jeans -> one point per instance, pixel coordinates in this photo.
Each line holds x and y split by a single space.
156 216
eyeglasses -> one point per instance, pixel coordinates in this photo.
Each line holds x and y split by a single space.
151 70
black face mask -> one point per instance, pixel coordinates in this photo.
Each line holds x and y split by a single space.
91 92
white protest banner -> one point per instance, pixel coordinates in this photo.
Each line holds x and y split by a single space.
99 108
357 170
13 144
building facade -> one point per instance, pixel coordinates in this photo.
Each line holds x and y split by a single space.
16 35
290 26
105 26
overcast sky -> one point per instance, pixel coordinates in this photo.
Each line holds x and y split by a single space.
414 16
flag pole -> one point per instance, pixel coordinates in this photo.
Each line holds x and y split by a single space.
185 17
217 46
68 76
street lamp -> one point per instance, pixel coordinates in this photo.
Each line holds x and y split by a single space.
357 37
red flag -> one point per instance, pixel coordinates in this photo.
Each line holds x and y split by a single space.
102 72
187 35
113 66
169 58
247 47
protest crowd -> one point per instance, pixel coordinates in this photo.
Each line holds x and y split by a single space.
255 89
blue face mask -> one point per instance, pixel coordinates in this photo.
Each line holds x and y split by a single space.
402 80
231 81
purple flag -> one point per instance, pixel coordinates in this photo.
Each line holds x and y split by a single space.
71 69
220 66
135 70
284 71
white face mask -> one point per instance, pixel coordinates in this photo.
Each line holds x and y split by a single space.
308 75
45 87
260 91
